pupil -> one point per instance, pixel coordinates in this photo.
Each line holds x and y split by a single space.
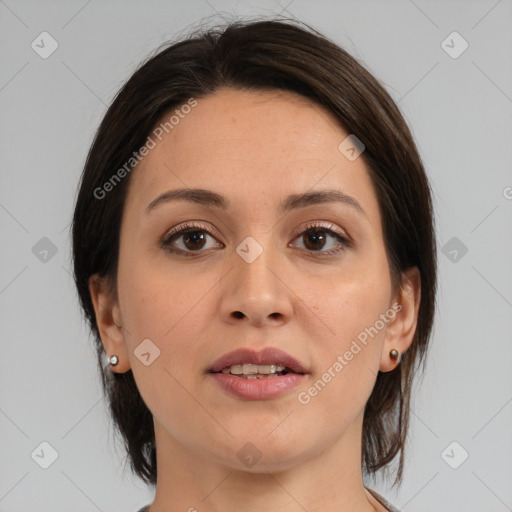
314 235
194 236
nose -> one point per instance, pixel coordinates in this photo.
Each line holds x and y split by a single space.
259 292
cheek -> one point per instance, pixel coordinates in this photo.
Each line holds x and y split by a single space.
348 353
354 301
156 299
170 308
347 362
359 308
159 308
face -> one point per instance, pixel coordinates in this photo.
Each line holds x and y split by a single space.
312 280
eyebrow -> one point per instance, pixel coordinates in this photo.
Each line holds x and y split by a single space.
292 202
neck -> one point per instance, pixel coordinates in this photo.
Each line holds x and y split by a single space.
329 480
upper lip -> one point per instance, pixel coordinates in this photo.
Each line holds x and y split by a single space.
269 355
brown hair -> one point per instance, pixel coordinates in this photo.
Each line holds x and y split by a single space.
263 55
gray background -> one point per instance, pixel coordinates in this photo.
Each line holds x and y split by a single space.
459 110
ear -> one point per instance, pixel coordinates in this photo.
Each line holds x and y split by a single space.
108 320
400 330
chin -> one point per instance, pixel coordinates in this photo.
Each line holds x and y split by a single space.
262 454
268 464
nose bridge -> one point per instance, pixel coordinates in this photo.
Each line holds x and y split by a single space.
255 287
255 266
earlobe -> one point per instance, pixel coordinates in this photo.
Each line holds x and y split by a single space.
401 329
108 320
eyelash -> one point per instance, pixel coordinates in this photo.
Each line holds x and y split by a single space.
190 228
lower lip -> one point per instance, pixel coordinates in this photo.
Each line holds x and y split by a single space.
258 389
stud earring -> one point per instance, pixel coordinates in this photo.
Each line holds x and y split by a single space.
113 360
394 355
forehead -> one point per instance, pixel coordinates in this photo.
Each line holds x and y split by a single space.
259 145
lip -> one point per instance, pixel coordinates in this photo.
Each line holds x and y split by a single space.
269 355
258 389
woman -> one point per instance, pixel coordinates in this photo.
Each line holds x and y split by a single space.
254 250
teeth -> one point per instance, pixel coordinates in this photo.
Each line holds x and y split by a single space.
260 376
254 371
250 369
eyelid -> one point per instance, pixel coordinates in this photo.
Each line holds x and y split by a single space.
341 234
308 225
325 225
192 224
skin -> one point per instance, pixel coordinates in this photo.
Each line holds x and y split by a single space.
255 148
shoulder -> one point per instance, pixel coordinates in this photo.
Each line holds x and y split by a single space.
382 500
375 494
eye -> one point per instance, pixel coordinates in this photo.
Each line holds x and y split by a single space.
315 238
194 238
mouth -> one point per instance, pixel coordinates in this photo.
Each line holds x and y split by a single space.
257 371
251 375
250 364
